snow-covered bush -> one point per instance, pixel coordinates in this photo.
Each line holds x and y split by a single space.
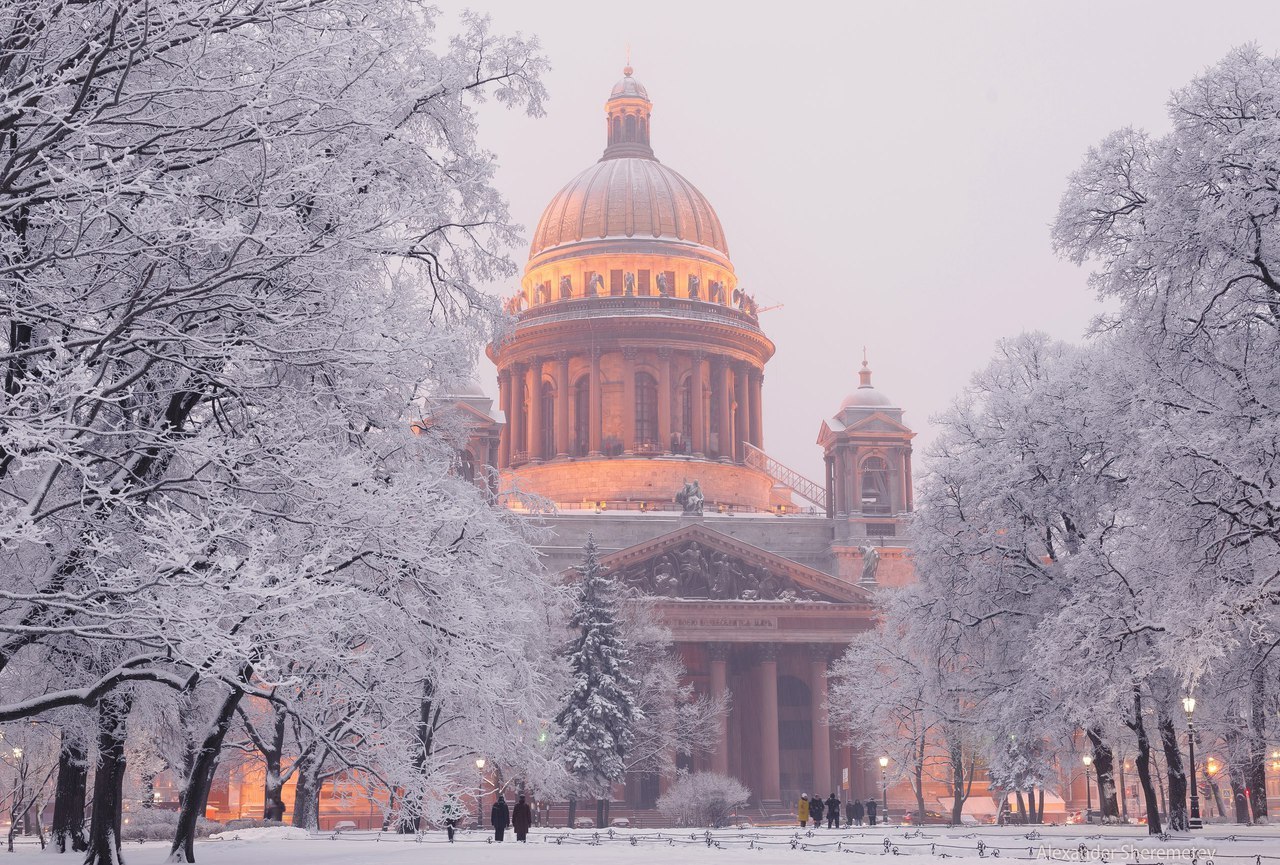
703 799
155 824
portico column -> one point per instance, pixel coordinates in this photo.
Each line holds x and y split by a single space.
719 691
562 408
535 410
699 444
721 383
831 487
504 403
629 400
770 765
517 420
595 423
757 408
821 728
741 418
906 473
664 398
856 477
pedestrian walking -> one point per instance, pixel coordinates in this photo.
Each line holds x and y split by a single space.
816 807
802 810
871 812
521 819
451 811
855 812
833 812
500 817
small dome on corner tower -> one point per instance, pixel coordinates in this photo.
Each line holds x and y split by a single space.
866 396
628 88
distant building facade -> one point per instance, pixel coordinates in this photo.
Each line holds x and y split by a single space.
637 367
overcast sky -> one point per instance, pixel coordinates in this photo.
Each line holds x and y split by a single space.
886 171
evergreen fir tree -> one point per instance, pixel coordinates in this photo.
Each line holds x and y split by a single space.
599 712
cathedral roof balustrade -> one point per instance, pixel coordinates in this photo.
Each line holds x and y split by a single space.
595 307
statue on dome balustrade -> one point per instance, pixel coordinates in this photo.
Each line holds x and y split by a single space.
566 287
695 285
664 289
715 291
629 281
595 284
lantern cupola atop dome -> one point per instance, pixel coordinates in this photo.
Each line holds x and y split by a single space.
627 112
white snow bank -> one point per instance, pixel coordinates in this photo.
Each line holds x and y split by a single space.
263 833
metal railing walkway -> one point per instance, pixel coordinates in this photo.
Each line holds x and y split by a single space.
798 483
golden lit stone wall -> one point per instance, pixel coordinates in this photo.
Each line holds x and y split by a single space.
642 479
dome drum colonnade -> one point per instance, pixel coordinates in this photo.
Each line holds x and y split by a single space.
632 336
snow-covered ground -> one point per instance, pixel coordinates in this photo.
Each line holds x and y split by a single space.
1225 845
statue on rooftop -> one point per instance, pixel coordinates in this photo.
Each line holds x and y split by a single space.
691 498
870 563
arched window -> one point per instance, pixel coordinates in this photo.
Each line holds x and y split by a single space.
875 486
630 125
547 435
647 413
582 417
617 130
682 441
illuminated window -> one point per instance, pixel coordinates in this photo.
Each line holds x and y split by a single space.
646 412
582 417
548 432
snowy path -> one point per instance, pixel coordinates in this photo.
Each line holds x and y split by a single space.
1214 846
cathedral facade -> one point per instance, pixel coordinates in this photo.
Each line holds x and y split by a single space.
631 395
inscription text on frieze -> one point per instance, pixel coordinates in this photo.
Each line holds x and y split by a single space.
751 623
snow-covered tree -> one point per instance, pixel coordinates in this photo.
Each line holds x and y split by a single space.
703 800
598 716
239 243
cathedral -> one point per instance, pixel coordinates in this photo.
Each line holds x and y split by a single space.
630 399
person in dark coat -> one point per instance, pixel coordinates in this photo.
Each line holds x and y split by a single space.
500 817
871 812
521 819
855 812
833 812
816 806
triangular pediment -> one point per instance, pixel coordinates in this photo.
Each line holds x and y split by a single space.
879 422
470 414
698 562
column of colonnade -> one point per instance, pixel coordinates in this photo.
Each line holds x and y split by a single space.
731 392
764 668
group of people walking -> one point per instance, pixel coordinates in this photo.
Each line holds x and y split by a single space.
854 811
519 818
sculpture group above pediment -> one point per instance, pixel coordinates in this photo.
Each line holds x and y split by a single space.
694 570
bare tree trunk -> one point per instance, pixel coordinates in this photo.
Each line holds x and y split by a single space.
1256 775
1143 762
108 782
1104 770
68 797
957 785
1040 805
273 786
1178 820
195 794
306 796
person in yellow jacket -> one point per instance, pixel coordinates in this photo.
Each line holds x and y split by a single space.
803 809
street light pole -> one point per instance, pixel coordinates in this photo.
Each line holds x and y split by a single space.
1088 790
884 788
1189 706
480 794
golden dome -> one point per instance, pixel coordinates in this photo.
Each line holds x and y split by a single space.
629 198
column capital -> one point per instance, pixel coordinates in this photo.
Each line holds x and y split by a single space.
665 351
630 352
719 651
563 355
767 652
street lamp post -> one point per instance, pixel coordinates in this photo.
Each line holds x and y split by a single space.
884 787
1088 789
480 794
1189 706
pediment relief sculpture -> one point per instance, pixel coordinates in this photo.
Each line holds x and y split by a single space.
693 570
